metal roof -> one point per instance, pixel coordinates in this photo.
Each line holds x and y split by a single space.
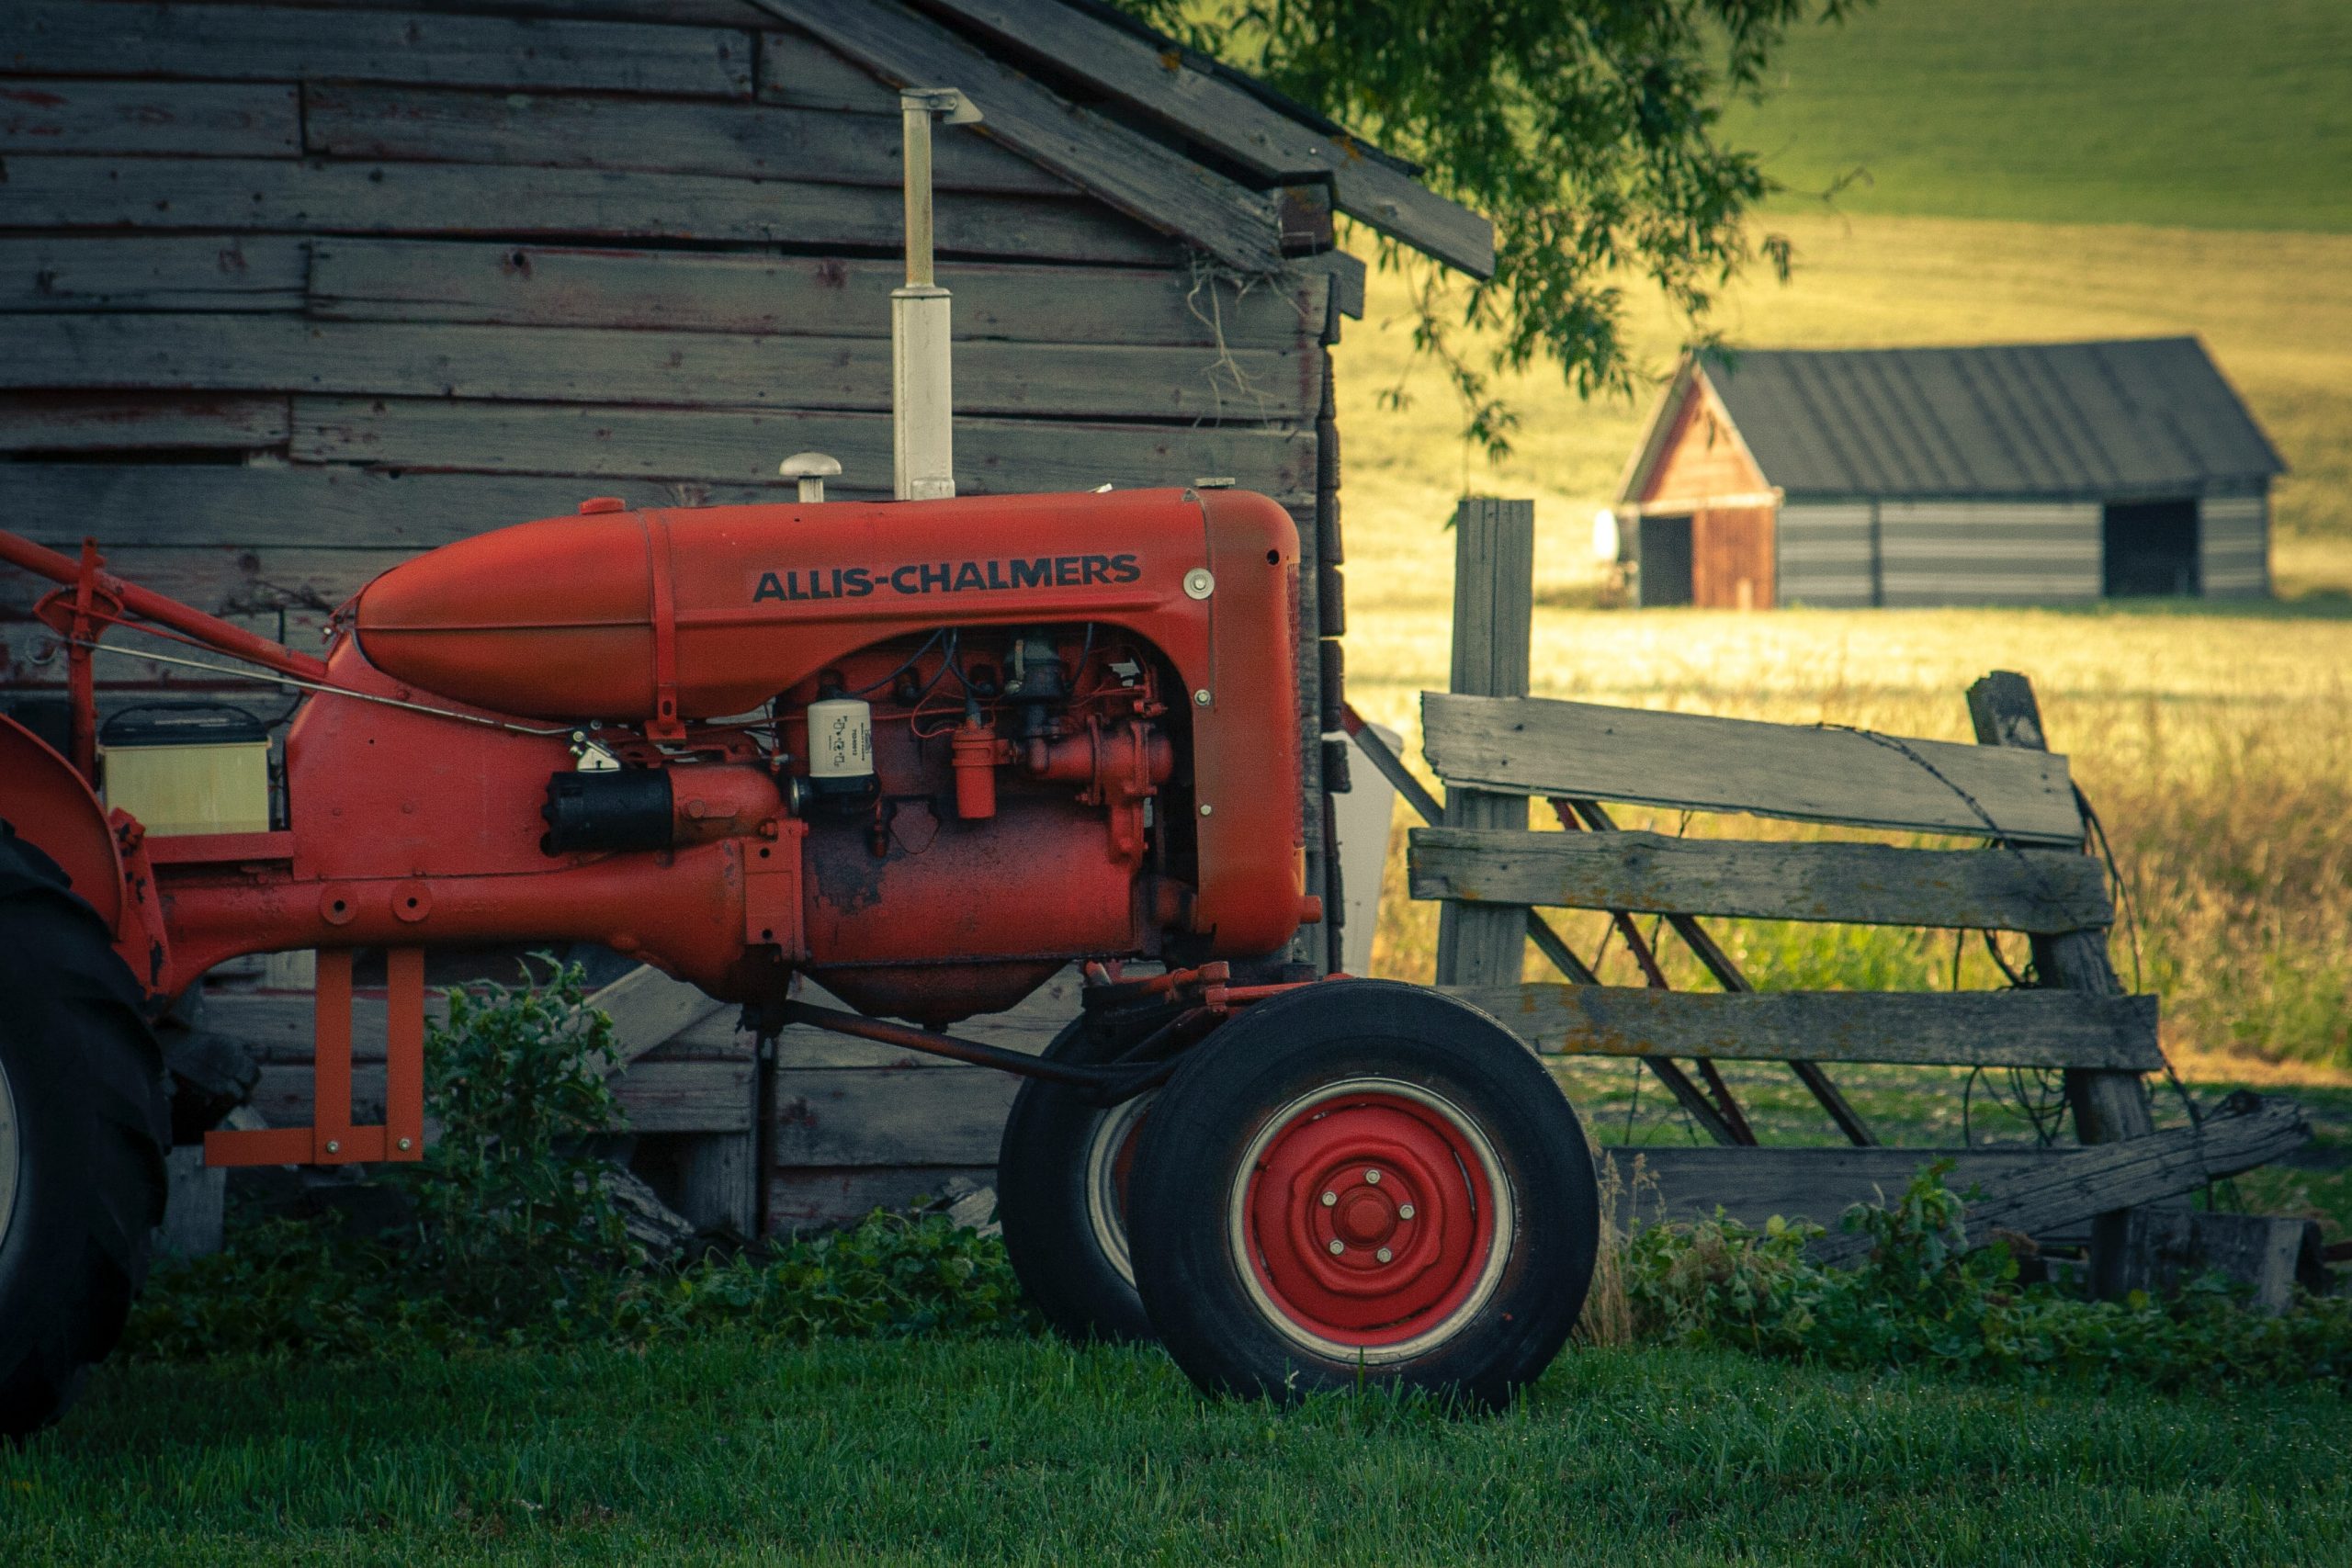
2057 419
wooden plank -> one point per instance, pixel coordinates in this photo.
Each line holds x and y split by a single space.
1028 1028
220 119
222 580
1535 746
719 1180
391 280
106 422
1494 567
2112 1178
655 1097
668 13
1996 1028
1752 1185
153 272
795 69
737 140
650 1009
457 199
742 446
1133 173
2004 712
1166 85
1996 889
267 44
216 353
864 1116
165 517
809 1200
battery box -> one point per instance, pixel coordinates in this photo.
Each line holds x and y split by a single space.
187 767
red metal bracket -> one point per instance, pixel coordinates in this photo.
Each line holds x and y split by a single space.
331 1139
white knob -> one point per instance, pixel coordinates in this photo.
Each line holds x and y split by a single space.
812 470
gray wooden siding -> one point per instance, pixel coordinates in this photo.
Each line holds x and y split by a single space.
2234 546
335 285
1988 552
292 292
1826 554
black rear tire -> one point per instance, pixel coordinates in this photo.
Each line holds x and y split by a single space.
81 1186
1364 1182
1059 1175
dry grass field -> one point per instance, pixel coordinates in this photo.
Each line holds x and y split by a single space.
2217 744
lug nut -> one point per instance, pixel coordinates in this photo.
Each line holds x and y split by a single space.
1330 1199
1338 1246
1383 1255
1371 1178
1404 1211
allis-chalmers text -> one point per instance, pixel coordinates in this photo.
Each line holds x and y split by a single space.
917 578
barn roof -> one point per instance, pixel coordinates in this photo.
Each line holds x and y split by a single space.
1167 136
2060 419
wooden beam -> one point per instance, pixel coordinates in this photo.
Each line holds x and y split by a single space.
70 37
1133 173
669 136
153 272
2001 1029
1998 889
1493 617
857 1116
649 1009
111 422
320 196
412 280
2111 1178
742 446
1205 108
228 354
2106 1106
1675 1183
1535 746
222 120
655 1096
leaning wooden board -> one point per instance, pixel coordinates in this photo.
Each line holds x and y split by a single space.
1994 889
2010 1029
1538 746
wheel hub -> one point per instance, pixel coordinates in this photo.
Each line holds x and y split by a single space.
1109 1160
1368 1217
10 1156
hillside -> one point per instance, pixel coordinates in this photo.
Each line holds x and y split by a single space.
2180 113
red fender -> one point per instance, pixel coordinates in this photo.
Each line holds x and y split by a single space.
49 806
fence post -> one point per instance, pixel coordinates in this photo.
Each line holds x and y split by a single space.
1494 587
2107 1106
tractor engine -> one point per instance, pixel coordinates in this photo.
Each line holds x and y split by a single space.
987 736
1002 796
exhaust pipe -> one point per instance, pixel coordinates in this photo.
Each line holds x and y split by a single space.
922 439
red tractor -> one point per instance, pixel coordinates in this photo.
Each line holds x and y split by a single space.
926 752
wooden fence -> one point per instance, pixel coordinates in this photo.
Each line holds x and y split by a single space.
2007 853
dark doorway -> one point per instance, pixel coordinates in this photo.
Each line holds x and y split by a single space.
2150 549
1666 561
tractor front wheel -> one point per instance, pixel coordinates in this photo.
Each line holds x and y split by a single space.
84 1126
1362 1181
1061 1195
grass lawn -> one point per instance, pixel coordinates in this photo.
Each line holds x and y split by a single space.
723 1451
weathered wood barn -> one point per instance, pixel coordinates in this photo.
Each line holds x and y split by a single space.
2034 473
292 292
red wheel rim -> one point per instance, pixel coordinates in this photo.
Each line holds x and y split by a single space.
1371 1217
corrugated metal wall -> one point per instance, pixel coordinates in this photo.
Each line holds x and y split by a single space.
1827 555
2234 546
1986 552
